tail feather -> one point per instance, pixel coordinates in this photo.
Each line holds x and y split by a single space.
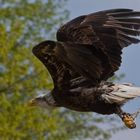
121 93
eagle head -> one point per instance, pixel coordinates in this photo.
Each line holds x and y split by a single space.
45 101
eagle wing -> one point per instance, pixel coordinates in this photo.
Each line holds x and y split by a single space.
59 71
107 32
68 61
89 46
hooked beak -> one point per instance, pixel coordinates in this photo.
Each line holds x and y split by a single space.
32 103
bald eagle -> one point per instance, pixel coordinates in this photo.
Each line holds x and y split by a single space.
86 54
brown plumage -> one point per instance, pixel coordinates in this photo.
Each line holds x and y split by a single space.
88 52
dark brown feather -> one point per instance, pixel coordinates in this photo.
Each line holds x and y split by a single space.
59 71
81 60
109 30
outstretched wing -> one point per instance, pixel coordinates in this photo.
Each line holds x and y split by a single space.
69 61
106 31
59 71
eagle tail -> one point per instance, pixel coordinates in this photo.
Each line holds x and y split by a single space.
121 94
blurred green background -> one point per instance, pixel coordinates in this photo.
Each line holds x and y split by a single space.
23 24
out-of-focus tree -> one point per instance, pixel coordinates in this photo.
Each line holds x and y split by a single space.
23 23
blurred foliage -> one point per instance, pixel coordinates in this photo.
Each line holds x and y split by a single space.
23 23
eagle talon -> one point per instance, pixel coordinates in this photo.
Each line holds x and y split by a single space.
128 120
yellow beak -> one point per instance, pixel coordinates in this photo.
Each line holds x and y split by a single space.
32 103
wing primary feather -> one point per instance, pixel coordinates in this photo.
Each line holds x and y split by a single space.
127 19
125 14
112 11
124 29
124 24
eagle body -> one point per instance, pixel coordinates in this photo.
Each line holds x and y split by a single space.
86 54
105 99
85 100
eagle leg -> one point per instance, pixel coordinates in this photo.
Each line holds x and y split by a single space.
127 118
